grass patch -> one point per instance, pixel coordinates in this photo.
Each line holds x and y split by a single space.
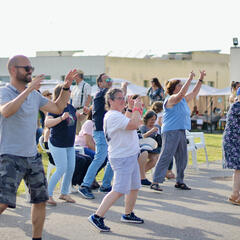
214 148
214 151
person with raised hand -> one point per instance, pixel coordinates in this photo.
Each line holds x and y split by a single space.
61 145
19 105
176 120
120 130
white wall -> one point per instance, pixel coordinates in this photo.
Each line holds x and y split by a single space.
235 64
59 66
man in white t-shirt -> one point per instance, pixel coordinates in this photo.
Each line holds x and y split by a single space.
81 95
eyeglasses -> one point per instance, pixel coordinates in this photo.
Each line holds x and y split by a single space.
26 68
120 98
108 80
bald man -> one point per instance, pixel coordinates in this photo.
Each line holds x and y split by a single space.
19 159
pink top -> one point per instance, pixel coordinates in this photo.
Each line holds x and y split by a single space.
87 129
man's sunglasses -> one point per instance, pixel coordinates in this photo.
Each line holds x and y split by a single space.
108 80
26 68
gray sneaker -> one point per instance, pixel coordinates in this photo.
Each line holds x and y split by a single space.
86 192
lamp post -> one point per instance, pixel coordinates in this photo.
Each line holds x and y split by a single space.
211 112
235 42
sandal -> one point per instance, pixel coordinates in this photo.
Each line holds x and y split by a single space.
67 198
182 186
234 201
51 202
156 187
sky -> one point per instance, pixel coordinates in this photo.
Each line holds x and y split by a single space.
159 26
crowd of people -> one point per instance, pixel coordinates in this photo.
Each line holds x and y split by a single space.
109 130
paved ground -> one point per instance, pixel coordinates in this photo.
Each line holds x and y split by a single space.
202 213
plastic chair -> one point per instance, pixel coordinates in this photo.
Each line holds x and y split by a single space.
197 145
49 169
191 147
50 166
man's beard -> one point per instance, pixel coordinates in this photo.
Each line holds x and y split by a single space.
24 78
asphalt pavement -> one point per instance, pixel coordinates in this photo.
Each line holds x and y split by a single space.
200 214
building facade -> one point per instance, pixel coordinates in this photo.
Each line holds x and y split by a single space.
55 64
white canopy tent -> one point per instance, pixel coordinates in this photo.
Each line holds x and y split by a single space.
49 85
2 84
131 89
205 90
225 92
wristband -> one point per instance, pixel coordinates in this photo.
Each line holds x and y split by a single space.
84 114
200 80
66 88
129 110
138 110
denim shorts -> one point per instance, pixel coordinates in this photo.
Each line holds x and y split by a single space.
13 169
126 174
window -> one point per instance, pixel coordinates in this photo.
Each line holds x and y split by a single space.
211 83
90 79
145 83
5 78
48 77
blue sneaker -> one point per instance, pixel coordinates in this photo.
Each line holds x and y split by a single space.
86 192
145 182
131 218
105 190
98 222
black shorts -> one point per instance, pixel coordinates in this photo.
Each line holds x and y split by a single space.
13 169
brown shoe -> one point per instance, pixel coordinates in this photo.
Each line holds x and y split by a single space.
67 198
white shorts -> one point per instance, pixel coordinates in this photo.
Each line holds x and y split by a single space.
126 174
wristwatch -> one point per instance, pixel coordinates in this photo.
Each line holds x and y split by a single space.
66 88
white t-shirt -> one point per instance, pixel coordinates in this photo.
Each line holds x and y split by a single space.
121 142
159 115
87 129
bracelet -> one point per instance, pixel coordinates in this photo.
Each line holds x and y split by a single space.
84 114
66 88
138 110
200 80
129 110
61 118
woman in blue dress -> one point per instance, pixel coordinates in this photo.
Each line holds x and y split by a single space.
156 91
231 147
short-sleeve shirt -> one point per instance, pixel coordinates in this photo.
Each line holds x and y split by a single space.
155 95
80 94
145 129
63 134
87 129
99 110
121 142
18 132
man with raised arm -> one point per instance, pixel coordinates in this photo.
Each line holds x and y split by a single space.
19 159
